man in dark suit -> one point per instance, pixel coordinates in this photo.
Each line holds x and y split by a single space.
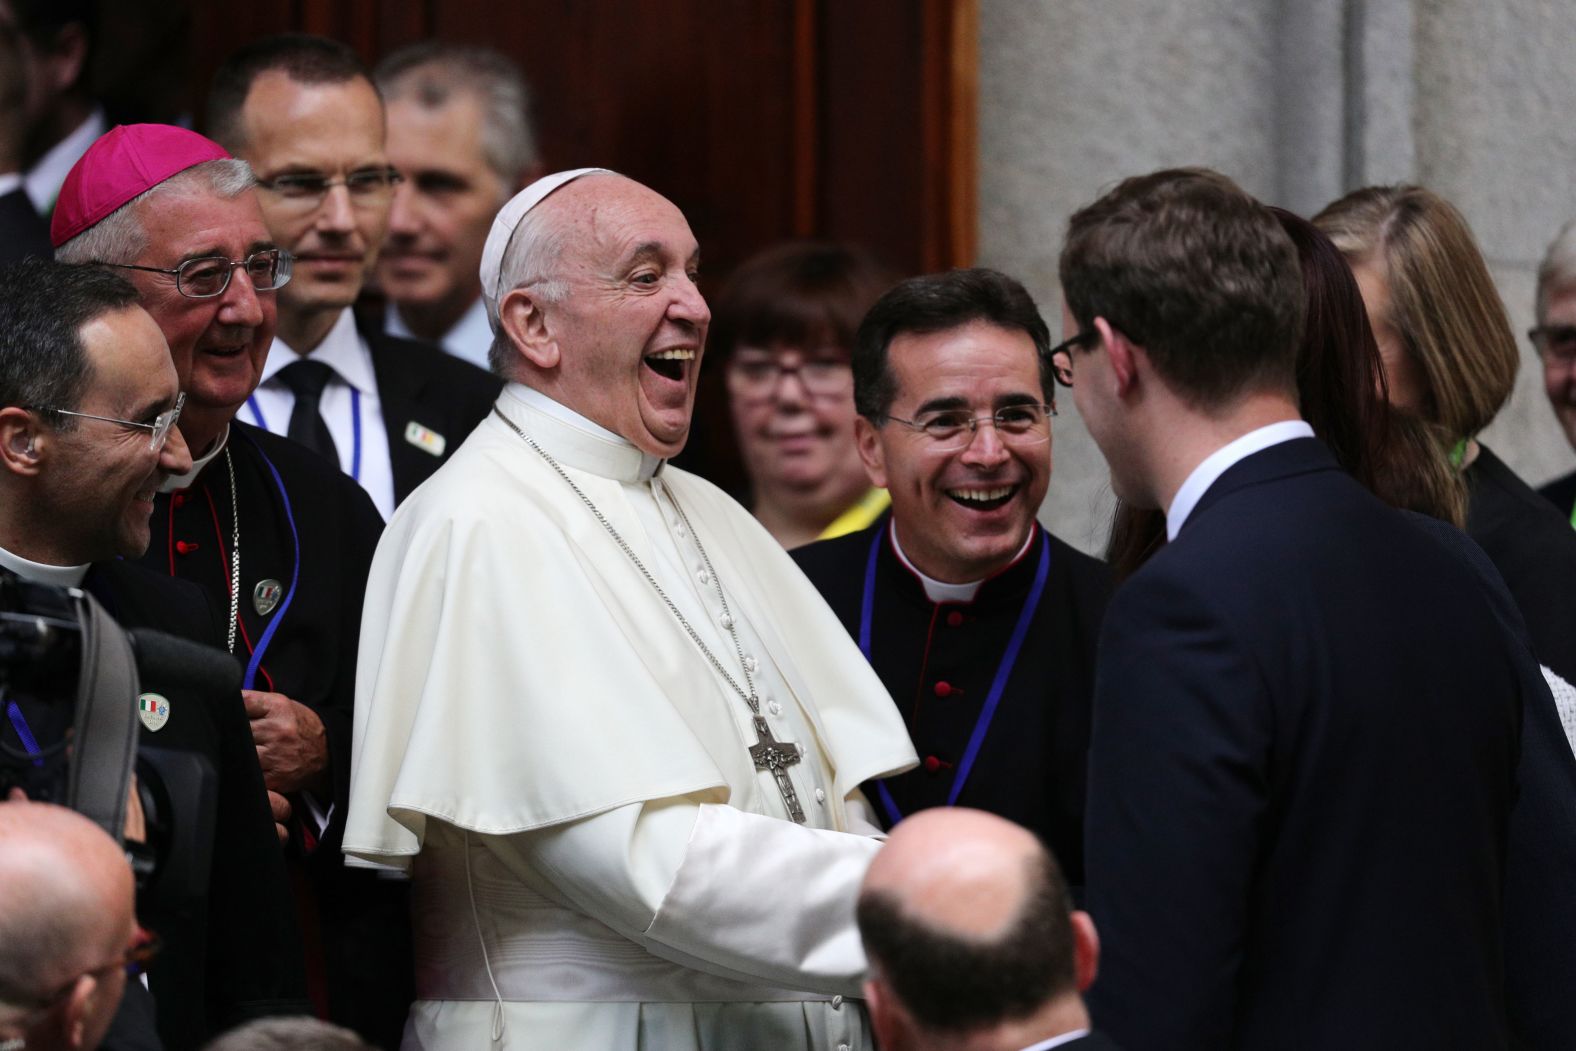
973 941
981 625
1307 714
22 231
279 539
304 113
87 402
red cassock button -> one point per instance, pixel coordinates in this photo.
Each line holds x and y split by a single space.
179 499
955 619
943 688
185 547
932 764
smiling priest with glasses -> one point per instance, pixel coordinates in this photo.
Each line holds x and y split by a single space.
980 624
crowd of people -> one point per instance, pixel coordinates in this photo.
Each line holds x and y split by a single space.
541 741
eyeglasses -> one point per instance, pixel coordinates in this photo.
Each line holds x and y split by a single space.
756 378
949 430
1555 341
304 191
145 945
161 425
1062 355
208 276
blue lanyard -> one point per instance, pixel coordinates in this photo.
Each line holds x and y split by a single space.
267 638
1020 631
355 428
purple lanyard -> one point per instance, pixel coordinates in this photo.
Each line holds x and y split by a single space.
355 428
1020 631
250 680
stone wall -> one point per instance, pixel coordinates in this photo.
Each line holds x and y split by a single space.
1298 100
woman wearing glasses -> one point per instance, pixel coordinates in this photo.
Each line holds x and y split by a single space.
783 329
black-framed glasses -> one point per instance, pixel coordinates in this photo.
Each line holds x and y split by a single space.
161 426
1062 355
949 430
304 191
756 377
208 276
1555 341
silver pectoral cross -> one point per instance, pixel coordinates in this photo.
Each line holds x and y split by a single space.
777 756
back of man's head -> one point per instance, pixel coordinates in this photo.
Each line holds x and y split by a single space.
43 309
971 936
432 73
289 1034
65 925
304 58
1196 272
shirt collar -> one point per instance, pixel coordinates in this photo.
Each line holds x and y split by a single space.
39 573
45 178
342 349
572 439
1058 1040
184 481
470 332
1221 460
939 591
10 182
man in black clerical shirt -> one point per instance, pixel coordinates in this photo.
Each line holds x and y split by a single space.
88 407
981 625
174 213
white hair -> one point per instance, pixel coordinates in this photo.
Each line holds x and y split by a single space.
530 261
1558 267
119 236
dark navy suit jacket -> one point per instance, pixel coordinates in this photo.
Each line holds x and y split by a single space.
1302 771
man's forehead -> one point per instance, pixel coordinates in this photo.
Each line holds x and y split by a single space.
189 225
623 219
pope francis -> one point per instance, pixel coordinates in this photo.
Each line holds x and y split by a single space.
609 729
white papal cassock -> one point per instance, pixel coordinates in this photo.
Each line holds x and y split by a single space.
596 862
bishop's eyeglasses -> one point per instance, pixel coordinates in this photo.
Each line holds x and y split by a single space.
159 429
208 276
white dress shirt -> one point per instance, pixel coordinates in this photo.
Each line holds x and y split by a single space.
44 179
354 387
1223 459
469 339
40 573
1058 1041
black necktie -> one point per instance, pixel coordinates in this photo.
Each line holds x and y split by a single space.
306 380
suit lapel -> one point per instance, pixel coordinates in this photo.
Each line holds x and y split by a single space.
399 380
1279 461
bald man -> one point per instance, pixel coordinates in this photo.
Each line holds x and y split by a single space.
972 941
66 927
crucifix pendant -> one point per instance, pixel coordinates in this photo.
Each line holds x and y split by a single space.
777 756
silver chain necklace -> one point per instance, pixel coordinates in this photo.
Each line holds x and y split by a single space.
768 752
235 551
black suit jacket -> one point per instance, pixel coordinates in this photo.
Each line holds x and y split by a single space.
359 921
1561 492
419 384
1301 777
1032 764
237 955
23 232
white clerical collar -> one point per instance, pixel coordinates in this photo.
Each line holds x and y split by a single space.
1058 1040
184 481
939 591
469 338
574 440
44 179
342 349
39 573
1221 460
10 182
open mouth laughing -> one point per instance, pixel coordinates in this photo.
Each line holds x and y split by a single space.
670 364
983 498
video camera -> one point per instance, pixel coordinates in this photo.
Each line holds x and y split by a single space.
69 703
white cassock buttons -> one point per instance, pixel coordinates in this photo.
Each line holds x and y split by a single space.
775 708
726 621
820 796
704 578
751 664
837 1004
